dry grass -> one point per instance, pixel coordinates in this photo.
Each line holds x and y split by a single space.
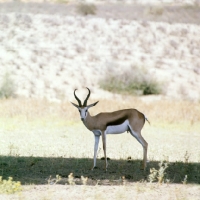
175 112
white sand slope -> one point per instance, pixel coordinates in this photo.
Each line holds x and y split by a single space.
48 56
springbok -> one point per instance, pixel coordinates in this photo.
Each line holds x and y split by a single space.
130 120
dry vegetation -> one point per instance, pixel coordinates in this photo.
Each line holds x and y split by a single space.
135 81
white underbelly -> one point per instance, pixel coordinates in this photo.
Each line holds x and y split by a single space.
116 129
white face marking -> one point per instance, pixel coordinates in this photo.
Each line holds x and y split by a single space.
83 112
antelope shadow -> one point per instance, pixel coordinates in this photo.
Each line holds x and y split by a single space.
37 170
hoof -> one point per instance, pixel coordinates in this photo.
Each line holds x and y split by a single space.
94 168
103 158
142 167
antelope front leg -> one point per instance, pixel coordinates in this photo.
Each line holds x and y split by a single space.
104 148
96 145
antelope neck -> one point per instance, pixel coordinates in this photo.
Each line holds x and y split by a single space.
89 122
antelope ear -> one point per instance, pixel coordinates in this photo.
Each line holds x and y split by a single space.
93 104
75 105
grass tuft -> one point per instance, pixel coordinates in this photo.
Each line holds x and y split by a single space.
9 186
185 180
71 180
84 180
54 181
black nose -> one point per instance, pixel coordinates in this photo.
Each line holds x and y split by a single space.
82 119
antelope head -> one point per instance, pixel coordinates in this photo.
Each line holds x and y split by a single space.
83 109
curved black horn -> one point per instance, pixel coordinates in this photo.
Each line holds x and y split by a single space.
79 101
85 102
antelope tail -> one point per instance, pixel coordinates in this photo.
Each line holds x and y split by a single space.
147 120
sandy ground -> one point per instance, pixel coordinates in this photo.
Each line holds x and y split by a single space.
49 50
135 191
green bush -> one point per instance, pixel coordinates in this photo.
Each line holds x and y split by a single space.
86 9
136 81
7 88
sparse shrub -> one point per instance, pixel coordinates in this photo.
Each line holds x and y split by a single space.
86 9
153 175
7 88
185 180
9 186
63 1
155 10
84 180
135 81
123 180
186 156
158 174
150 88
54 181
71 180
